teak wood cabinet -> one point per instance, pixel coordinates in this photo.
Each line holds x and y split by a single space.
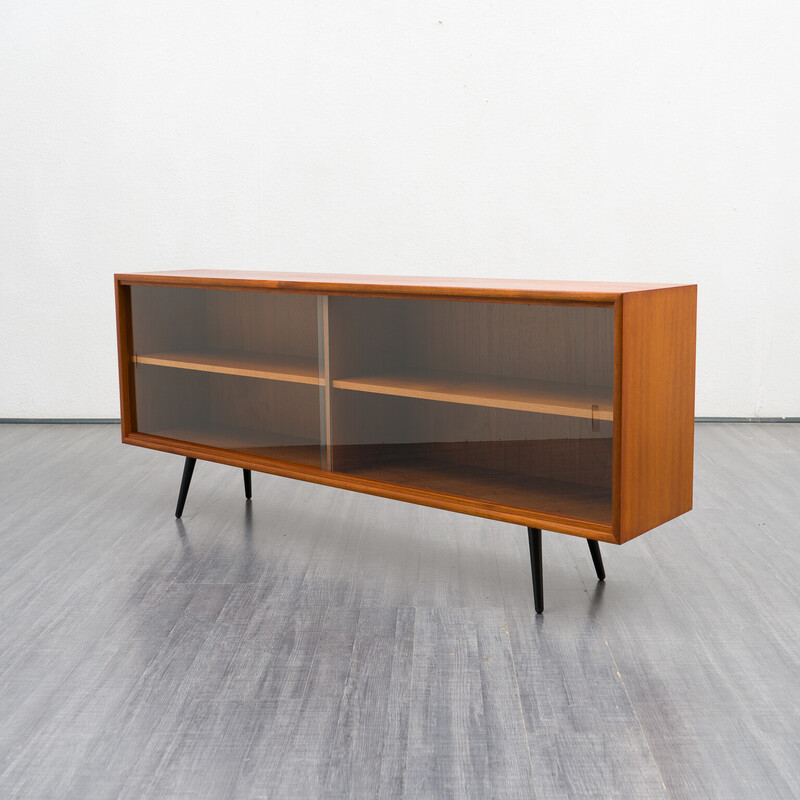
565 406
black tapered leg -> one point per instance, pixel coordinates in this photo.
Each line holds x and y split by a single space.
248 484
188 469
594 549
535 543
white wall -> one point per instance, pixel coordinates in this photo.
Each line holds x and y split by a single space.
586 140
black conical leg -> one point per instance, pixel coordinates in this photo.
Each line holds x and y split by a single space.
188 469
594 549
248 484
535 544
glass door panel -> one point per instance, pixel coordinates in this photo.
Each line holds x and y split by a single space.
229 369
506 403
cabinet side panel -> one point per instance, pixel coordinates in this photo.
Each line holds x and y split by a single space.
657 408
123 306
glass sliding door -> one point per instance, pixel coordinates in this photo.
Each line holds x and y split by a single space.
234 370
500 402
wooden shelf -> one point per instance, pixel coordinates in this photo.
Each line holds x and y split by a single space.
245 440
569 500
292 369
544 397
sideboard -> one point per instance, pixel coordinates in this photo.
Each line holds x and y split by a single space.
553 405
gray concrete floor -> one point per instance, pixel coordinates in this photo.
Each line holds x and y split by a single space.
321 643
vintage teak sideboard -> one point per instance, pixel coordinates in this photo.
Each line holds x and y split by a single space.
556 405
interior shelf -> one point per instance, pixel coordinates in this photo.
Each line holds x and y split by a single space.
293 369
572 500
245 440
545 397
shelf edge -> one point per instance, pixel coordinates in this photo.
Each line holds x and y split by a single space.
286 377
444 397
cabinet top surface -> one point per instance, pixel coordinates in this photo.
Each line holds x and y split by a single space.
587 291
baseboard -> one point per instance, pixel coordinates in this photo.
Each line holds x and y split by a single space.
747 419
112 421
60 421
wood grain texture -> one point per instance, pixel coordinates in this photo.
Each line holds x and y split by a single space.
537 363
214 408
266 444
283 407
465 738
561 344
583 462
490 510
557 498
616 440
261 322
656 424
395 285
168 318
122 302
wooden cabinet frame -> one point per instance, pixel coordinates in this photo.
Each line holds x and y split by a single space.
649 384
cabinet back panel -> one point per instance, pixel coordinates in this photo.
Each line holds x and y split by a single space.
287 408
367 426
168 398
270 418
570 344
262 322
167 319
